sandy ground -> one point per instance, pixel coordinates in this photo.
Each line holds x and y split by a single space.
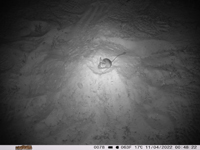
52 91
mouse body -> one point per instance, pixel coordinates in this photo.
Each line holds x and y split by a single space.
107 63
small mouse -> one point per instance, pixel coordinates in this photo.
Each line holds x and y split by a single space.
107 63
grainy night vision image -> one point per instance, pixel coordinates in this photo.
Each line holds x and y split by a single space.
99 72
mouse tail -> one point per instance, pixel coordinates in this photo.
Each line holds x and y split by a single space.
119 55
